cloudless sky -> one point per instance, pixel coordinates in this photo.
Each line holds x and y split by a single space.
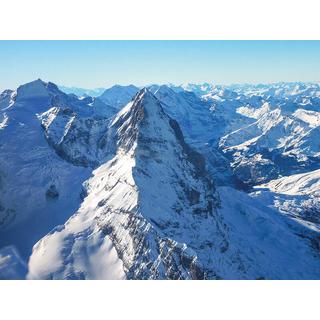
92 64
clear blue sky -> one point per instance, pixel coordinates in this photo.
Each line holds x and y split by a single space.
92 64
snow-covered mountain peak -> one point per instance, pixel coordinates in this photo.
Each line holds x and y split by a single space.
151 161
144 95
118 96
143 99
38 96
36 88
148 102
129 197
142 118
156 142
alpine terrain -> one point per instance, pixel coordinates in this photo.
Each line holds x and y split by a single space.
192 181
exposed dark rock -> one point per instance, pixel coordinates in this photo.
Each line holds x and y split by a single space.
52 192
193 196
194 157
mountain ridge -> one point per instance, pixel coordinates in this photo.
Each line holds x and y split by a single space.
152 189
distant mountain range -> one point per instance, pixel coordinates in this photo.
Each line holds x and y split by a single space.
81 91
196 181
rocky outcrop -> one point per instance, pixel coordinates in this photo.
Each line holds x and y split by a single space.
153 239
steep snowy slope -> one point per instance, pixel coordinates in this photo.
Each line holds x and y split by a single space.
143 200
152 189
152 212
270 246
283 140
224 105
201 126
297 184
296 196
38 188
78 139
191 112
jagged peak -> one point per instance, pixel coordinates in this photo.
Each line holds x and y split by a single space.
148 101
144 93
143 114
143 100
144 124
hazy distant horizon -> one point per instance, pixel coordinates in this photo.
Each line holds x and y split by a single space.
101 64
71 87
191 82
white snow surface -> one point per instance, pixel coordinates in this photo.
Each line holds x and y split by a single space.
243 239
297 184
108 188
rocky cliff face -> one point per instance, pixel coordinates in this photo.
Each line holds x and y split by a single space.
153 239
103 194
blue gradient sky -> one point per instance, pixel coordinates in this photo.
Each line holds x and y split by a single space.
93 64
